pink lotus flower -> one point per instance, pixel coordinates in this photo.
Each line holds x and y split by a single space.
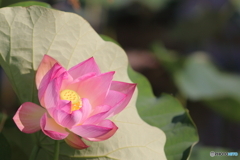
75 103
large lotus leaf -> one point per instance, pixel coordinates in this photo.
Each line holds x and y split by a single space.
168 114
26 34
199 79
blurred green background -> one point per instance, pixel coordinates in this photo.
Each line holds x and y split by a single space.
189 49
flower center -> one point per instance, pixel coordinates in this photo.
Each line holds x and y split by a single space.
72 96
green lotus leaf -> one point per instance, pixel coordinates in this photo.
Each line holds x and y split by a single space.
199 79
26 34
168 114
